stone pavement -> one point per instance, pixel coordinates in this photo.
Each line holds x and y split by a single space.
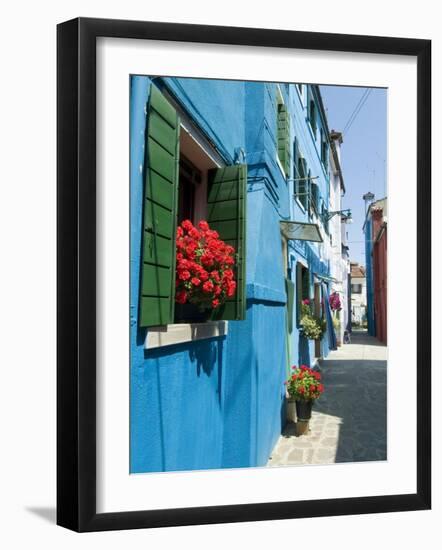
349 420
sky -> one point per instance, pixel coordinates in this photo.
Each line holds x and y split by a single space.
363 152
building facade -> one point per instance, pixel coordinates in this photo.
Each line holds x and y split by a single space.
340 262
245 156
376 251
358 294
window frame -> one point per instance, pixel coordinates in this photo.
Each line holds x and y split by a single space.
159 336
280 101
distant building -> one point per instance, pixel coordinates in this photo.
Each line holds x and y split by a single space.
376 244
368 234
358 294
339 259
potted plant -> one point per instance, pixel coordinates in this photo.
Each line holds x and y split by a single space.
335 305
311 326
204 271
337 327
303 387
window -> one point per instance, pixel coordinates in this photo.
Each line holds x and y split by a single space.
190 179
325 221
283 135
315 197
175 188
301 178
302 287
324 149
356 288
312 115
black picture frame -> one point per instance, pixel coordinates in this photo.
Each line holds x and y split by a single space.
76 273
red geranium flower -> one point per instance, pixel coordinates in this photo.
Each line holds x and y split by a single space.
204 270
184 275
187 225
208 286
181 297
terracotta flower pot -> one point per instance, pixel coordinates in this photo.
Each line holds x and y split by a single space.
291 410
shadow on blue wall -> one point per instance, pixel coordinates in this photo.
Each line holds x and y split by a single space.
304 351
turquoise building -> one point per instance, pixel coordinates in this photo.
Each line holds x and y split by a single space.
368 232
250 158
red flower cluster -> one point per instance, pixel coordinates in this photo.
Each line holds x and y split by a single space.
204 267
304 383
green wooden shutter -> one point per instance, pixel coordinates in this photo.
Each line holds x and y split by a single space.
284 138
157 292
226 213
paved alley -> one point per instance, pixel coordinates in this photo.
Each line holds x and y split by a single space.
349 420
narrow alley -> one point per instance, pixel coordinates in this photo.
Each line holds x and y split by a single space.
348 422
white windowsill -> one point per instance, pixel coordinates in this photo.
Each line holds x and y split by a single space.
278 162
179 333
301 206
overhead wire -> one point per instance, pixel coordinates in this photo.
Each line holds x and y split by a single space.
357 110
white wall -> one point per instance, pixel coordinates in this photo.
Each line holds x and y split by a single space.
27 277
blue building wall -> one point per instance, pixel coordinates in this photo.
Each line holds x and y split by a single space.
219 402
368 230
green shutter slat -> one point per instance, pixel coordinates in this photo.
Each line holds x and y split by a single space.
226 174
154 311
160 160
159 220
160 190
226 214
223 191
224 210
162 133
228 229
156 280
157 291
158 103
156 250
